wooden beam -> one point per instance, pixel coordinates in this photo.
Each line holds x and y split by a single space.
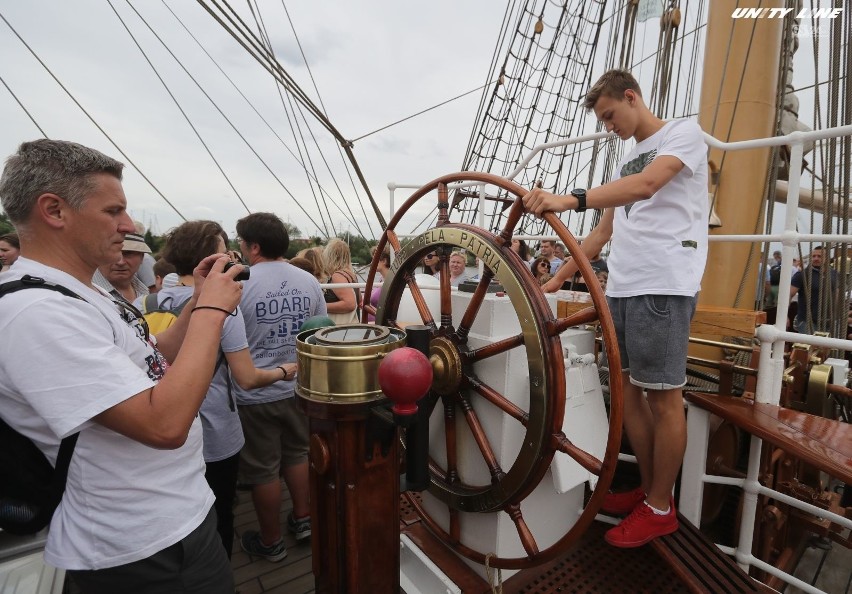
726 321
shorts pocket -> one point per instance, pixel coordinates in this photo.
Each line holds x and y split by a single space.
659 304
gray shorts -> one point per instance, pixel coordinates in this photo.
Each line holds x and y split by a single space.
653 335
276 436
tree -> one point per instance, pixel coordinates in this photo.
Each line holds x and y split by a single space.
296 246
292 231
359 248
5 224
155 242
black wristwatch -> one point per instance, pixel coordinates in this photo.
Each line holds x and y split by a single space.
580 195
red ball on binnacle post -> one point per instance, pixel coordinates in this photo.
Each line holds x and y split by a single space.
405 376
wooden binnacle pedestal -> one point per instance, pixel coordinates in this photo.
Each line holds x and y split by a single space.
354 455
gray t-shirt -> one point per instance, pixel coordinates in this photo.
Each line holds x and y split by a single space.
146 271
223 432
277 299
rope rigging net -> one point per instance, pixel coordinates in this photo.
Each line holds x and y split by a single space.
553 52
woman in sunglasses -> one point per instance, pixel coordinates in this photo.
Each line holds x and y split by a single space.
431 263
540 266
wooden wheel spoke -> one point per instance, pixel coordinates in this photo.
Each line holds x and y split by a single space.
527 539
446 293
393 240
452 475
497 399
443 204
582 457
420 301
475 303
501 346
455 525
481 440
515 214
586 315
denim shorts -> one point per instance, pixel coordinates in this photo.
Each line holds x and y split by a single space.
653 335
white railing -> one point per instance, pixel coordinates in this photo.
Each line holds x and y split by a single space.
770 367
771 364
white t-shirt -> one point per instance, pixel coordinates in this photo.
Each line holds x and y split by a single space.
223 432
62 362
659 245
276 301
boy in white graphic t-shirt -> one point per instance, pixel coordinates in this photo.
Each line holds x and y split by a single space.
656 215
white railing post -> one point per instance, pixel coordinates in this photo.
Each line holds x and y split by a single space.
694 464
751 490
788 248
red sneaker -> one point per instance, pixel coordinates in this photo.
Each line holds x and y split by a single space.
621 504
641 526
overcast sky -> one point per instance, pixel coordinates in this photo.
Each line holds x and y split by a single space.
373 62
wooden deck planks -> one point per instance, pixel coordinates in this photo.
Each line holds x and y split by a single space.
254 575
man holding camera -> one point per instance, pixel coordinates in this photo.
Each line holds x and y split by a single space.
136 514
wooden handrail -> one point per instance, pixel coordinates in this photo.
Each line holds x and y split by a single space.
823 443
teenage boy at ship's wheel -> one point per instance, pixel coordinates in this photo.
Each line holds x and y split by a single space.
655 212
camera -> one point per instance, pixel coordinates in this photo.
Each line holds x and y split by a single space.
243 275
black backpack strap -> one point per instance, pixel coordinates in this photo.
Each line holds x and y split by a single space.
60 479
35 282
219 362
63 459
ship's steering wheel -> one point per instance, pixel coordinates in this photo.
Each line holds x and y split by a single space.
455 363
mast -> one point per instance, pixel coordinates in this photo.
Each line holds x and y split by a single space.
738 102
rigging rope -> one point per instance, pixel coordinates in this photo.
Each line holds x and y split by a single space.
322 105
92 119
262 29
248 101
177 103
545 72
288 110
251 45
428 109
26 111
222 113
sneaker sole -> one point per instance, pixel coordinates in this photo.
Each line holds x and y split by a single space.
272 558
299 536
639 543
